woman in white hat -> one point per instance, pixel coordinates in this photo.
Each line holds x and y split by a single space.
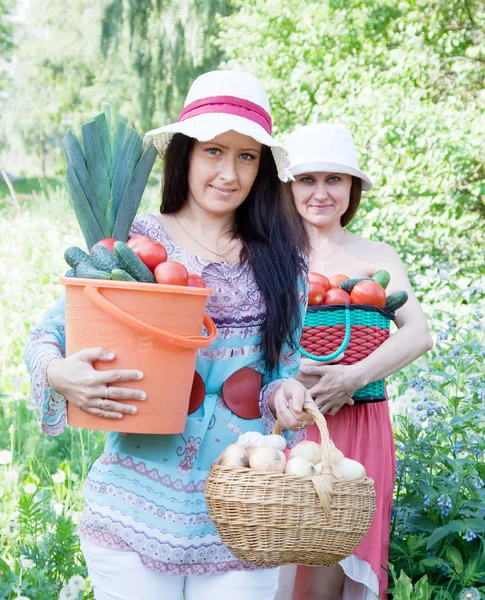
145 530
327 191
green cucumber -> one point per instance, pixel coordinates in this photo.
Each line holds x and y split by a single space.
396 300
348 284
132 264
103 259
382 277
121 275
86 271
74 256
70 273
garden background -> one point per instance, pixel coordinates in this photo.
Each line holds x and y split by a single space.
407 77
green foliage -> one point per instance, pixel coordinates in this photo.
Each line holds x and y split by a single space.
6 29
171 44
439 514
407 79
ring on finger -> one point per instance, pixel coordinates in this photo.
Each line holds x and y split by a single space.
106 393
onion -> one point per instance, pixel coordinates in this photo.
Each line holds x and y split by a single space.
267 459
348 469
234 456
250 438
310 451
300 467
277 442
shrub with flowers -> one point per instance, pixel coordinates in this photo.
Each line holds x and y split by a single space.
439 516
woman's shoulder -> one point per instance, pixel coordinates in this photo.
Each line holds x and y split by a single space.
373 251
147 224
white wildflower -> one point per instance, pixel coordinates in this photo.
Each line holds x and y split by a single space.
27 563
77 583
5 457
22 598
470 594
59 477
57 508
12 476
67 593
30 488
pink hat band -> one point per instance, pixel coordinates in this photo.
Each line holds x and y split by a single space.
229 105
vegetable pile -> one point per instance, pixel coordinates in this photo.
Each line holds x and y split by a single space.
254 450
140 259
340 289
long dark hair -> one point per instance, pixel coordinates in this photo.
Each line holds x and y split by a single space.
272 235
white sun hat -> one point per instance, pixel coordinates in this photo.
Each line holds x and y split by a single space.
327 148
221 101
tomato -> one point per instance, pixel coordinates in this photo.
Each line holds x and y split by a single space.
315 294
320 279
368 292
107 243
196 281
336 280
336 296
150 252
171 273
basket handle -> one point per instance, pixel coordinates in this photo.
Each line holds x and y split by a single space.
193 341
323 483
343 345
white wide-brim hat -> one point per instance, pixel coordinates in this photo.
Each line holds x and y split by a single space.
326 148
221 101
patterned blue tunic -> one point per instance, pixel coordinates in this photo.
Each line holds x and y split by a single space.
145 493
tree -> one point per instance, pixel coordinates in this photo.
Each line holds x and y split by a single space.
407 79
171 44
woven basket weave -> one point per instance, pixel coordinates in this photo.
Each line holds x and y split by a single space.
353 329
275 519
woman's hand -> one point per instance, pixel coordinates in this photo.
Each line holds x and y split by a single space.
80 383
308 379
334 388
286 403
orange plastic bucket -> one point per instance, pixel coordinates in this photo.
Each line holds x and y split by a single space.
150 327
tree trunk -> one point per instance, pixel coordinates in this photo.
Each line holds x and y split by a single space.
13 195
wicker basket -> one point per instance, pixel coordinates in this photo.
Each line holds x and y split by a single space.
274 519
355 329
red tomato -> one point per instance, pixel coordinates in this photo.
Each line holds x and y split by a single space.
323 281
107 243
171 273
336 280
315 294
336 296
368 292
196 281
150 252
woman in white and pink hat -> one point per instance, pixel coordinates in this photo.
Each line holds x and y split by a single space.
227 217
327 190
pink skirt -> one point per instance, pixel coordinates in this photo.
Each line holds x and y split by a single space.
363 432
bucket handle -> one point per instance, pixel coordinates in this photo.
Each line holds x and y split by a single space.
343 345
193 341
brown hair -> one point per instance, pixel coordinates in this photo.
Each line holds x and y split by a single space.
354 201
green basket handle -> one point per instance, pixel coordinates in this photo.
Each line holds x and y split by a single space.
343 345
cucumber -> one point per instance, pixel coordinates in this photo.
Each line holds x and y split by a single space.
121 275
348 284
103 259
396 300
132 264
87 271
74 256
382 278
70 273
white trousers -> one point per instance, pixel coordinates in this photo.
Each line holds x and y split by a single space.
117 575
